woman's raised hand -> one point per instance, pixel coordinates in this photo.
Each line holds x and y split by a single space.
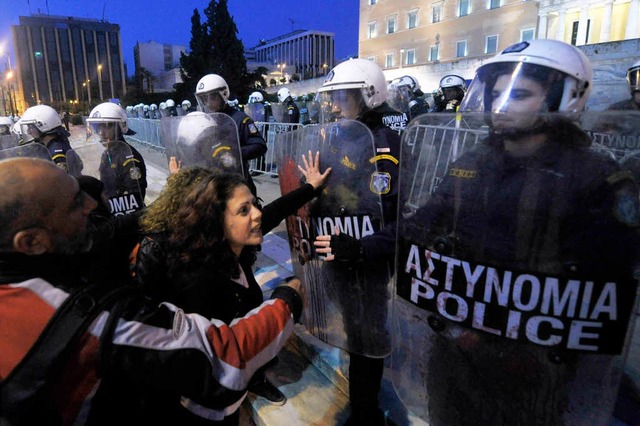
311 170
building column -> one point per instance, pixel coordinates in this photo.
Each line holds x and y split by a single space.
605 31
562 17
542 26
632 21
582 26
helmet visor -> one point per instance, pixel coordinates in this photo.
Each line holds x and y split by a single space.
29 131
515 87
339 104
632 78
210 101
102 131
398 97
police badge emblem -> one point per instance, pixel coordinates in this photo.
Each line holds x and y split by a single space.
135 173
380 183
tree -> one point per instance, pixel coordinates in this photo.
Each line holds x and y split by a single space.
198 61
228 50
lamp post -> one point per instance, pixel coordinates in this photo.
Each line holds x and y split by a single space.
324 68
8 87
89 91
10 84
100 80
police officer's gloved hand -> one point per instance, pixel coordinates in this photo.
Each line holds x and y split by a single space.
345 248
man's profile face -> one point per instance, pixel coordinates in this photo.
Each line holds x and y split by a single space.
345 104
213 101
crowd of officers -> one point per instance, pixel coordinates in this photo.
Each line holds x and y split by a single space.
222 356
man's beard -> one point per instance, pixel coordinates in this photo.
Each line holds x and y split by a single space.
81 243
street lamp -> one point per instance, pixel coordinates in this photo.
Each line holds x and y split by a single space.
100 80
281 68
324 68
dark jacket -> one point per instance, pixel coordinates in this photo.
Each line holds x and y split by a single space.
153 346
62 154
123 170
293 112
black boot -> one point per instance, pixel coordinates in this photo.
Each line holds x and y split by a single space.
260 386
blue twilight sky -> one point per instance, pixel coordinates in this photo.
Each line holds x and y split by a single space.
169 21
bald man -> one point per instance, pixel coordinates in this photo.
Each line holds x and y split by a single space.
146 346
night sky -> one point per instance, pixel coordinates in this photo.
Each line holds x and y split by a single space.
169 21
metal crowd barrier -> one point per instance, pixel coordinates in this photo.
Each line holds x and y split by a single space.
148 132
266 164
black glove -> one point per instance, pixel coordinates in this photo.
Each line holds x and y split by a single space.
345 248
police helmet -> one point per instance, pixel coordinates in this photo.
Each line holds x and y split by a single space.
42 117
361 74
108 112
209 85
255 97
170 103
186 104
283 94
562 69
632 77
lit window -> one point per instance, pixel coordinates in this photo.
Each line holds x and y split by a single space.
412 19
372 30
463 9
391 25
373 2
527 35
494 4
411 57
461 49
437 13
491 45
388 61
433 53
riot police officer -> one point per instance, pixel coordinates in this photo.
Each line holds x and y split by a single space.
109 122
42 124
171 107
405 95
450 93
212 94
356 89
632 103
293 112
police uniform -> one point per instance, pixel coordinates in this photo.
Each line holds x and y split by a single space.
63 156
627 104
252 144
293 112
123 171
564 211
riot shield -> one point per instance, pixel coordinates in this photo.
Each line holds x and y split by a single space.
256 111
9 141
113 163
346 304
313 108
33 150
279 113
514 272
204 140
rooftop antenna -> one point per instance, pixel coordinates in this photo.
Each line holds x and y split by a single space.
104 5
292 21
29 5
47 4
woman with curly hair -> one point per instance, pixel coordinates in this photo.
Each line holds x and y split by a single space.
202 235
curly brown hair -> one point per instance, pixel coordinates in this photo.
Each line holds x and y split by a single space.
196 241
160 216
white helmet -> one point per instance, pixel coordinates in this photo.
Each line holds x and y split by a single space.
406 80
360 74
283 94
632 77
452 80
145 107
256 97
208 85
42 117
186 104
129 108
567 91
190 129
170 103
163 105
108 112
16 129
153 107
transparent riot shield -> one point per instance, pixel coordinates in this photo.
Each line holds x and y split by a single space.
204 140
314 112
33 150
256 111
9 141
115 165
279 113
515 268
346 304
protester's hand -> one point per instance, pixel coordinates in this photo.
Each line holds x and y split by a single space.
311 170
174 165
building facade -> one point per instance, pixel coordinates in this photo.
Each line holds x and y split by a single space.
430 40
305 53
64 59
162 61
